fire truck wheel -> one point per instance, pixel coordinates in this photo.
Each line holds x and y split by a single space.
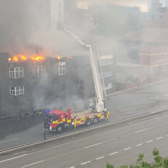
59 128
88 122
95 120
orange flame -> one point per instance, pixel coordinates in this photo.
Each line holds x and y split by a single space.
22 57
58 57
15 58
69 57
37 58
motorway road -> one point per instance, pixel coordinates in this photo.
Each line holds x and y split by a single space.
121 107
120 146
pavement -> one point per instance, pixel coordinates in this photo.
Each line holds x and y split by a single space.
121 107
120 146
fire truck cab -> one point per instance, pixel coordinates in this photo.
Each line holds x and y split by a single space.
56 120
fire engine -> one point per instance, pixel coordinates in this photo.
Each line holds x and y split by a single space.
56 120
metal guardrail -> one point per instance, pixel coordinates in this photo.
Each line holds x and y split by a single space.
23 115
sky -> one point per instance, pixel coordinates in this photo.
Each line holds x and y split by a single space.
143 4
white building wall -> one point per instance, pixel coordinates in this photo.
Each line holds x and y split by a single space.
164 3
149 5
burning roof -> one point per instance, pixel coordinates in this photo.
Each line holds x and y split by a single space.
18 58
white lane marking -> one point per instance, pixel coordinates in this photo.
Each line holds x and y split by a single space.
141 130
9 140
127 148
85 162
32 164
139 144
114 153
92 145
100 158
160 138
72 167
149 141
12 158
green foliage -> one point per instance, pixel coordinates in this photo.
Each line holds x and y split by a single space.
155 152
160 162
139 160
124 166
108 165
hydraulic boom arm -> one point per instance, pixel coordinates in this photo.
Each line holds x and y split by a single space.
94 67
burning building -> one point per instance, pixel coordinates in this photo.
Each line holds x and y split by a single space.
37 82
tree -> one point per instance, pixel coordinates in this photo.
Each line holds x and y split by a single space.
160 162
108 165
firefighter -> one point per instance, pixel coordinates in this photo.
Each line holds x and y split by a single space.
108 113
75 123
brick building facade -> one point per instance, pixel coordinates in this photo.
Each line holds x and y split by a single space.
148 47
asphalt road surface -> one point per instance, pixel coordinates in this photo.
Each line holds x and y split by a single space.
119 146
121 107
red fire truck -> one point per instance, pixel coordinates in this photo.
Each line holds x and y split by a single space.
57 120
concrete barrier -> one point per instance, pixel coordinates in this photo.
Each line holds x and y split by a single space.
78 134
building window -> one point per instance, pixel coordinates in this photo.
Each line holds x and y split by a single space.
62 87
154 57
162 67
155 69
59 5
39 71
109 86
15 91
59 13
161 17
106 61
60 68
162 56
107 74
80 84
17 72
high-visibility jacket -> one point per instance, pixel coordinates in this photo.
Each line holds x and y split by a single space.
75 122
108 114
